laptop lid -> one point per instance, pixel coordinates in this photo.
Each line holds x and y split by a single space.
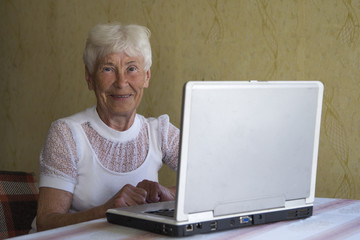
247 146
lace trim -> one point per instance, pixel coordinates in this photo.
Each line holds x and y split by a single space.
119 156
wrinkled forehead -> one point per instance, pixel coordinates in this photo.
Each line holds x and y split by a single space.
122 58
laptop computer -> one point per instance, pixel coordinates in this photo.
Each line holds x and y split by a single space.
248 156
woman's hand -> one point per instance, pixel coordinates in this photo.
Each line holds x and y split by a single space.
156 192
127 196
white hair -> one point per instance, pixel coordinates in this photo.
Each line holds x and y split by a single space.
105 39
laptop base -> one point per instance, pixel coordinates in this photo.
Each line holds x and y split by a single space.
209 226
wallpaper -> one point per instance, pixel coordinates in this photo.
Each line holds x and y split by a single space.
42 74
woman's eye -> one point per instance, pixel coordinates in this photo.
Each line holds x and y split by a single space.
107 69
132 69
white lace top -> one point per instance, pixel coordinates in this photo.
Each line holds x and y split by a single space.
119 152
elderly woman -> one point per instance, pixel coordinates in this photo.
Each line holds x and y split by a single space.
107 156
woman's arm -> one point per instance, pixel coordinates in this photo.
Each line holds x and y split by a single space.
53 208
54 205
170 141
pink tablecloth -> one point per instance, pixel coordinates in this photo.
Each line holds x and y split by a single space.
332 219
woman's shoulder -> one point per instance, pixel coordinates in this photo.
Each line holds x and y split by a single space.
80 117
65 124
161 124
163 117
155 121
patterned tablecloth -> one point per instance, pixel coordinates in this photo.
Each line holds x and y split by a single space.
332 219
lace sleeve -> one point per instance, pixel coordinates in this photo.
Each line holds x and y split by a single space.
169 142
58 158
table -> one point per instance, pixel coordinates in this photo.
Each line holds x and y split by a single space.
332 219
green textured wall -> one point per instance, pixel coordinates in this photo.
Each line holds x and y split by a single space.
42 75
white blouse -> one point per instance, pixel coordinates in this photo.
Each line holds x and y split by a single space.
84 156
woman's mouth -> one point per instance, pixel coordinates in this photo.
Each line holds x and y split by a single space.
122 96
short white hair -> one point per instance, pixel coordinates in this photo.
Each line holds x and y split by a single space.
105 39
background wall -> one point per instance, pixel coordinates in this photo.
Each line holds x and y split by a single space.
42 74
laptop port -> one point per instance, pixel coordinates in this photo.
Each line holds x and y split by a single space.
213 226
189 227
245 219
199 226
167 229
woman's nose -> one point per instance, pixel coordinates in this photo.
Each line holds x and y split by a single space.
121 81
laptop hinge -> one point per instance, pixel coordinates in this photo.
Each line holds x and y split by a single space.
295 203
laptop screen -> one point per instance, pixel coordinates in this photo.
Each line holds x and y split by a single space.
248 146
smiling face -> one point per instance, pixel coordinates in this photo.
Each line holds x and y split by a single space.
118 82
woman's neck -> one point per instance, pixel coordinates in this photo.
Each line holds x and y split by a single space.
117 122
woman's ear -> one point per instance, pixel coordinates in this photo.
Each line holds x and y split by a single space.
88 79
147 78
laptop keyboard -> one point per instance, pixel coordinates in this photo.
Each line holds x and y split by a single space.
164 212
